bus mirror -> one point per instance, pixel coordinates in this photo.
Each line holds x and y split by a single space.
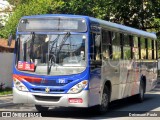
10 40
97 40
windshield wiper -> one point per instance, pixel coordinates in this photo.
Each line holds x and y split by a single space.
53 42
50 60
64 39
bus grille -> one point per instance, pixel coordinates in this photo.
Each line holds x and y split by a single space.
47 98
43 90
50 83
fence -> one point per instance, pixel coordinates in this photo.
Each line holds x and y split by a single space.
6 60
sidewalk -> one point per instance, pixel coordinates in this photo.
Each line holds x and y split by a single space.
6 100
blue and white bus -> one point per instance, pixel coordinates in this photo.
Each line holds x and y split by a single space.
80 61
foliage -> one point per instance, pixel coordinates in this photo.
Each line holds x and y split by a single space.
6 91
30 8
136 13
17 2
34 7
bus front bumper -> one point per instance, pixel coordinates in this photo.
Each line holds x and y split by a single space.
63 100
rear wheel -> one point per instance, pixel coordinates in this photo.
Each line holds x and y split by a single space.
140 96
41 108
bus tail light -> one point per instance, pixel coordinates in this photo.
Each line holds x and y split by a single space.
75 100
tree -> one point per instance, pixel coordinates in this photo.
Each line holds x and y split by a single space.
17 2
135 13
33 7
141 14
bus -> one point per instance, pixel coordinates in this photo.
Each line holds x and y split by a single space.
81 61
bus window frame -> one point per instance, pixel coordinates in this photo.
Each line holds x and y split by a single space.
139 47
121 44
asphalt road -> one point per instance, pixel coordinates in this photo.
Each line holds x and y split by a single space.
122 109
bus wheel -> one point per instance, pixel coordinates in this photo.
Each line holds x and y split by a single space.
140 96
40 108
104 102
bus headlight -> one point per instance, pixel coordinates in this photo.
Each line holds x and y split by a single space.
19 85
78 87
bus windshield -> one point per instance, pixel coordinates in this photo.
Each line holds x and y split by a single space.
59 54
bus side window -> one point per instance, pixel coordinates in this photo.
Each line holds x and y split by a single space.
105 45
98 47
155 49
150 49
92 47
127 47
143 48
116 48
95 48
135 48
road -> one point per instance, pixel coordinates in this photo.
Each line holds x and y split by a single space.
118 110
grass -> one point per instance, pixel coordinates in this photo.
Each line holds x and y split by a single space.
6 91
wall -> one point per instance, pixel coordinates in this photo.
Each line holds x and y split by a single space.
6 60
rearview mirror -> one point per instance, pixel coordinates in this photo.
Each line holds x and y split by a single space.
10 40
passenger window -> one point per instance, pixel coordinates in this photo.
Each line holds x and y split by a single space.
105 45
135 48
150 49
98 47
155 53
126 47
116 48
143 48
95 47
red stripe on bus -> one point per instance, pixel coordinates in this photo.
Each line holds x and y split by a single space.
27 78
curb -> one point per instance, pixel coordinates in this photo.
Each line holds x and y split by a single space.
6 95
7 104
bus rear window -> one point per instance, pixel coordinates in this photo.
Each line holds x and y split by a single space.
52 24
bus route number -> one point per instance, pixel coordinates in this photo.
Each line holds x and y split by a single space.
61 81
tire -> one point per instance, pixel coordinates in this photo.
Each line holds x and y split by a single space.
103 107
140 96
40 108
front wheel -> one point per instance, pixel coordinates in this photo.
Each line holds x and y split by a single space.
41 108
103 107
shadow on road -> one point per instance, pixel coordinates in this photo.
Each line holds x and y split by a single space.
120 108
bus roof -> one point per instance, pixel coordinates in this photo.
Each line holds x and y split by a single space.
55 15
102 23
123 28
